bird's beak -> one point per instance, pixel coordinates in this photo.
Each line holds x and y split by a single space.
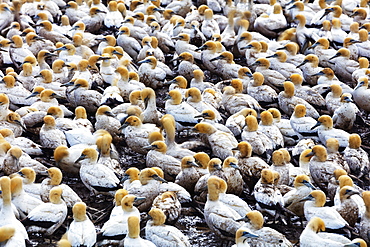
20 124
216 58
313 46
303 63
124 125
75 87
249 235
108 113
233 165
61 48
336 55
316 125
307 198
144 61
193 163
32 95
320 73
274 55
150 147
82 157
308 184
158 178
243 219
310 154
125 177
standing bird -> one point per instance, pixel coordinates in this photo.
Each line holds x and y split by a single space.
268 196
348 204
293 199
260 143
287 101
164 235
151 114
326 131
314 207
8 219
136 133
6 16
250 166
188 176
47 217
342 60
17 51
268 127
157 157
50 136
183 113
24 202
312 237
221 142
94 21
46 31
209 25
266 236
357 159
345 116
90 99
301 124
365 221
130 44
133 238
152 76
361 95
81 231
322 170
219 218
234 102
97 177
233 177
116 227
55 179
169 204
150 183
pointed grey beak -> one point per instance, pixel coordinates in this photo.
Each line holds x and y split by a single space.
82 157
308 198
124 125
249 235
336 55
320 73
139 199
108 113
310 154
313 46
308 184
245 218
316 125
216 58
125 177
158 178
75 87
32 95
303 63
233 165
